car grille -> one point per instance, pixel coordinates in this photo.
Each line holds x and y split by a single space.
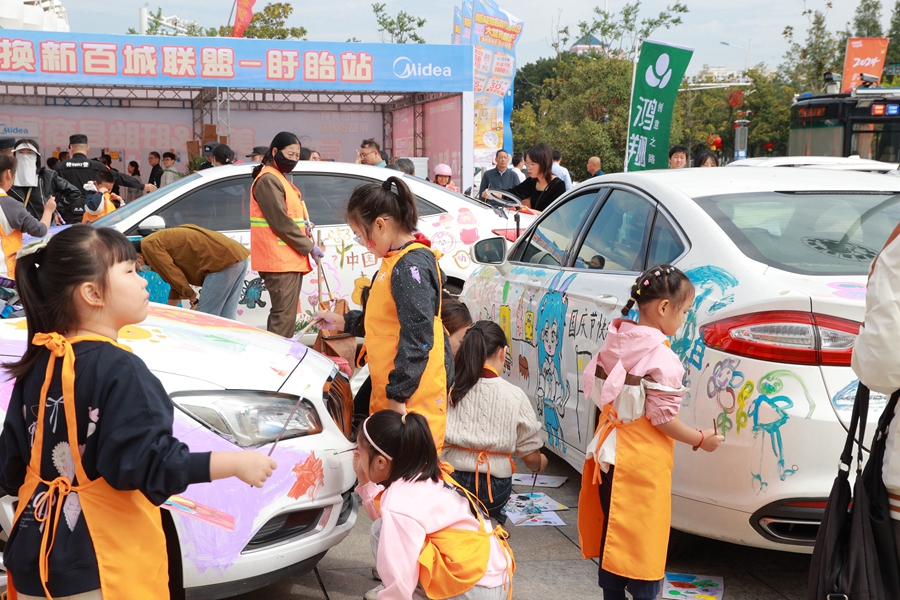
339 401
285 526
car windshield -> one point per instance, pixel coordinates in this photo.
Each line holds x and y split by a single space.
458 195
132 207
810 233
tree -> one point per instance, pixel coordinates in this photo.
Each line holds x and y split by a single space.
893 53
400 29
623 34
269 23
530 79
805 64
866 23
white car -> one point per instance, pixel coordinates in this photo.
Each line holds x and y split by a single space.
778 258
233 387
839 163
219 199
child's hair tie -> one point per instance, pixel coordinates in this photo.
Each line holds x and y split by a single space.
386 184
646 282
373 444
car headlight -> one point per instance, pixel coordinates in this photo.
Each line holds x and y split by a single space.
249 418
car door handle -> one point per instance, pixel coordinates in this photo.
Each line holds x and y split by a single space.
607 300
534 283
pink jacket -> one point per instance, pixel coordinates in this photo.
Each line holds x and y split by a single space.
637 350
409 511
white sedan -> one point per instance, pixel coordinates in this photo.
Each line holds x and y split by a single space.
234 387
219 199
778 258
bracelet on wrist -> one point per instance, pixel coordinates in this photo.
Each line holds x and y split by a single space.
702 439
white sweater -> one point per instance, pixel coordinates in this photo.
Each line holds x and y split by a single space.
495 416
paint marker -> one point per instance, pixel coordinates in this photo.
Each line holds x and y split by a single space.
715 426
309 325
344 451
533 483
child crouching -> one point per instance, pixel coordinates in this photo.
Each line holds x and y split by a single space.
428 536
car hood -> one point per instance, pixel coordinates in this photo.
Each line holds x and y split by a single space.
226 354
841 296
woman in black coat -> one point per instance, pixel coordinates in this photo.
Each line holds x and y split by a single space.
542 187
35 184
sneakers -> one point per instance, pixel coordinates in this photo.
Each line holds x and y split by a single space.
373 593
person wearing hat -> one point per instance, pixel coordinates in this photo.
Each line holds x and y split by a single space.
7 145
35 184
208 148
442 177
256 155
80 170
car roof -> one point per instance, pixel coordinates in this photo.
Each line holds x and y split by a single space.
696 183
807 161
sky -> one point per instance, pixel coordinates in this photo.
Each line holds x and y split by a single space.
754 25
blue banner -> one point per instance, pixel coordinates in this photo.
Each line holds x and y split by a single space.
467 8
164 61
456 38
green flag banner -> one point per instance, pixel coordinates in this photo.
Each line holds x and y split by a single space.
656 81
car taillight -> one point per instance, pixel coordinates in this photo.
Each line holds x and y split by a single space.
785 336
509 234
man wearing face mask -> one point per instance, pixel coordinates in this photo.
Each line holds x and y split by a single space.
35 184
280 232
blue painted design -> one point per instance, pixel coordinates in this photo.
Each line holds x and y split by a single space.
687 343
552 390
156 286
252 294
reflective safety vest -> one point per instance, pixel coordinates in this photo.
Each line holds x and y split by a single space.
268 252
104 209
11 242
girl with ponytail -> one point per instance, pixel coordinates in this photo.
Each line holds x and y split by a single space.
102 423
407 349
636 382
423 521
488 420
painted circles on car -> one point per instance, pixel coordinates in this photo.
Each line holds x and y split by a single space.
404 68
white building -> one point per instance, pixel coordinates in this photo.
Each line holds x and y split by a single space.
44 15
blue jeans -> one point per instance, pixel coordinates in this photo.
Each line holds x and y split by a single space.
222 290
501 488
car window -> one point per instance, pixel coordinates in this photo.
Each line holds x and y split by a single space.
119 215
550 241
665 245
220 206
617 239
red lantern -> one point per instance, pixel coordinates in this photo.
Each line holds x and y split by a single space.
769 146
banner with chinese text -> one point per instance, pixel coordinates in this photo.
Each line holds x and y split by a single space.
864 56
456 38
242 17
162 61
657 78
494 36
467 21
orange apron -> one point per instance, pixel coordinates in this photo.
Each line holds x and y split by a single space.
640 510
10 242
107 208
453 561
125 527
382 340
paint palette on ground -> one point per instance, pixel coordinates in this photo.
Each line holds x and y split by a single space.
682 585
542 480
535 520
198 511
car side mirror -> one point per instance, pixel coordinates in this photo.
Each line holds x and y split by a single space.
490 251
151 224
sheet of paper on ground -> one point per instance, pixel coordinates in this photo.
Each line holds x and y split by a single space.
532 503
529 520
684 586
551 481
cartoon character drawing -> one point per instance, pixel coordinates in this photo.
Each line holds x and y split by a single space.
251 297
724 379
688 343
552 390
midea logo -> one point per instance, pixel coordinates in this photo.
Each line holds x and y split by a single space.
405 67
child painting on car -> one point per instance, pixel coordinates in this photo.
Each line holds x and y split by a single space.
636 382
87 444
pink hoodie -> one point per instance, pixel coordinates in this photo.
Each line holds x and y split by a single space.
632 349
409 511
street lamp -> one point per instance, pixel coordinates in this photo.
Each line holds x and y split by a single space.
746 51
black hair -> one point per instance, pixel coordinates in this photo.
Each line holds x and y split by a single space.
47 280
409 442
540 155
372 200
657 283
106 159
223 154
8 162
703 156
557 155
517 158
678 148
455 315
134 165
305 153
371 142
496 154
482 339
136 244
52 162
104 177
66 152
384 156
279 143
156 154
170 155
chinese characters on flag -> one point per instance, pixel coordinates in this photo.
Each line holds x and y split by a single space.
242 17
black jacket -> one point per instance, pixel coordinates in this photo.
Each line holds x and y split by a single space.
155 175
49 184
78 170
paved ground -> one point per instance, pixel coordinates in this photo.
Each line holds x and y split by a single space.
550 564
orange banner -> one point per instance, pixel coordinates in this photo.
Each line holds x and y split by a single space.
864 56
242 17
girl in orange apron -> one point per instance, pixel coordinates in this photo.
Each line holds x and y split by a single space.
87 443
489 419
429 537
409 357
636 381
